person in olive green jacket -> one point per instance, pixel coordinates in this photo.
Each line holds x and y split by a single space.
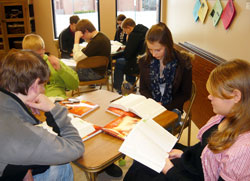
62 77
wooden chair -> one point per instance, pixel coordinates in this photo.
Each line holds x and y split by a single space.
98 64
56 42
186 121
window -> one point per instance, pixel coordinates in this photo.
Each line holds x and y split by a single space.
63 9
146 12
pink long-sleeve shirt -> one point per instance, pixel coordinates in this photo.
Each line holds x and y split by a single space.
231 164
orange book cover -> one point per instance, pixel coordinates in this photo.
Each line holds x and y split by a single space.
120 112
121 126
80 108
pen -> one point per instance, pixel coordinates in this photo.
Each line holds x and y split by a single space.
116 98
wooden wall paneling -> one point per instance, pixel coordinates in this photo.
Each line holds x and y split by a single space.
203 63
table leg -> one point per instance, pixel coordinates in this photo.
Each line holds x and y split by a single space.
92 176
112 74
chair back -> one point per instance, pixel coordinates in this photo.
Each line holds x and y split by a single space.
186 121
56 42
99 64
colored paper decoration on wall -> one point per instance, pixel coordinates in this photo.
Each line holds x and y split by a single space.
196 10
228 14
203 10
216 12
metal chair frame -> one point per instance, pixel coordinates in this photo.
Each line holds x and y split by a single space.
186 121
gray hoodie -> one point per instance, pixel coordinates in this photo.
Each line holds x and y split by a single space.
22 143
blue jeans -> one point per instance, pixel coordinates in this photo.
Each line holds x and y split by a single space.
119 74
56 173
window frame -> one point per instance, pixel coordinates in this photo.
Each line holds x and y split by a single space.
54 19
159 13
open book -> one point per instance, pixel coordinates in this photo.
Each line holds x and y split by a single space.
116 46
79 108
149 144
85 129
121 126
139 105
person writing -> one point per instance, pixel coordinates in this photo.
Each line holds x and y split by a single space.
28 150
223 152
98 45
126 64
119 34
62 77
165 73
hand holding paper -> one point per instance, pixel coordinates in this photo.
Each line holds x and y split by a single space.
149 144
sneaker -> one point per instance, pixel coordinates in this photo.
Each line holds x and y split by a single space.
113 170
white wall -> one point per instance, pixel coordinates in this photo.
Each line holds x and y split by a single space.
228 44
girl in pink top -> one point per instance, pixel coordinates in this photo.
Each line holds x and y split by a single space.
223 152
227 154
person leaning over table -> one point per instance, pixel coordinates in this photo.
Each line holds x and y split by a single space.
165 73
28 150
67 37
119 34
223 152
62 77
98 45
127 64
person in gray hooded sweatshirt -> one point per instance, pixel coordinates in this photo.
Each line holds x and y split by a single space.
28 150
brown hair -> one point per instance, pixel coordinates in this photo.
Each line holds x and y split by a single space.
161 34
84 25
74 19
33 42
128 22
121 17
222 81
19 70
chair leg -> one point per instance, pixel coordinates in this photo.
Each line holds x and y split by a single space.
189 131
78 91
108 86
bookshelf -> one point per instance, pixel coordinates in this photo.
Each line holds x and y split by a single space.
17 20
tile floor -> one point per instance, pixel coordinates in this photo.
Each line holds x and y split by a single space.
79 175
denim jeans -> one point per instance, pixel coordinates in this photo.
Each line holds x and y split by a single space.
119 74
56 173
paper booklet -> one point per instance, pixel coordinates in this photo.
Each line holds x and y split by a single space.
116 46
149 144
85 129
79 108
139 105
121 126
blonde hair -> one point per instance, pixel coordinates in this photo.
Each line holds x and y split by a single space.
223 80
33 42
